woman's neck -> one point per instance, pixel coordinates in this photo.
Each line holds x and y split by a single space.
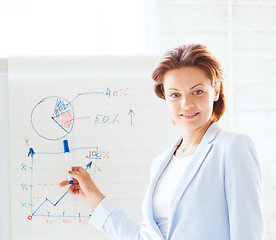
191 140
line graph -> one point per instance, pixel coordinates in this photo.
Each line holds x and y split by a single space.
35 210
46 199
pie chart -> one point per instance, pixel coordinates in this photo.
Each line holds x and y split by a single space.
52 118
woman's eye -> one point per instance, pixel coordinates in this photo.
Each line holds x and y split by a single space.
197 92
174 95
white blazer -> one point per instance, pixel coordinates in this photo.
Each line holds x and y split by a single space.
219 197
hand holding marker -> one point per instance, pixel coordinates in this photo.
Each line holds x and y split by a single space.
67 159
83 185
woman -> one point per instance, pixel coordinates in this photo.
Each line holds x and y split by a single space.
207 185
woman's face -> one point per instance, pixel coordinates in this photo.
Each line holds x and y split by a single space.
190 97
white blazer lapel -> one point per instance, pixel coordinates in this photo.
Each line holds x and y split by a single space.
162 161
201 153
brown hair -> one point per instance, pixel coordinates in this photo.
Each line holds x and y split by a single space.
195 55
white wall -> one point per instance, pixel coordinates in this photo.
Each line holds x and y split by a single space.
242 34
68 27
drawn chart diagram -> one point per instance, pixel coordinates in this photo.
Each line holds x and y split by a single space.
44 204
105 107
52 118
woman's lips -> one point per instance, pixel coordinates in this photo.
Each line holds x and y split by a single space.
189 115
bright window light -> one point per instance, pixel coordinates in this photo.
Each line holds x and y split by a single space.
67 27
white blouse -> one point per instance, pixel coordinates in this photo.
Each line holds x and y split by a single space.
165 188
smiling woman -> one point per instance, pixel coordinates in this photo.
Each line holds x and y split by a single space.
190 97
192 56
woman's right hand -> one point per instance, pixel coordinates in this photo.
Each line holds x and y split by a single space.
84 186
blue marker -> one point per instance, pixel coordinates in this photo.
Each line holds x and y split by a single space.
67 159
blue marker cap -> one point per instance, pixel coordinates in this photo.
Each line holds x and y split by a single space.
70 181
65 146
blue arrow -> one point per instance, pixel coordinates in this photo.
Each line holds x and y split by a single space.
31 152
88 165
